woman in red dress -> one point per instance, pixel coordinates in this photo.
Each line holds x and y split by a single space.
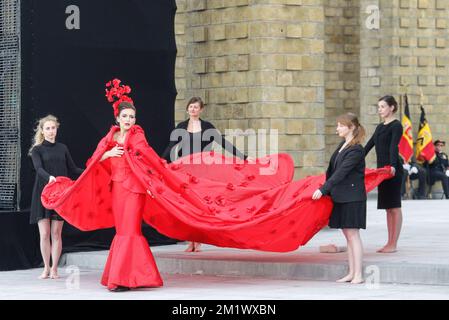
208 199
130 263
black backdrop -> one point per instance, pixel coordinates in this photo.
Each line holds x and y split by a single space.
64 72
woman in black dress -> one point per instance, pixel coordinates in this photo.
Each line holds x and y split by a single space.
386 139
345 183
196 135
50 159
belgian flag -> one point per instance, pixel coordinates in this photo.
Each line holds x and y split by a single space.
406 143
425 150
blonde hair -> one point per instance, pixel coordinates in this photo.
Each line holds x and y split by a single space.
39 130
350 120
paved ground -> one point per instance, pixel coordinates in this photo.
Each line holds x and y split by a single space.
424 242
25 285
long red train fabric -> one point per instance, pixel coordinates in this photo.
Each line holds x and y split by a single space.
204 197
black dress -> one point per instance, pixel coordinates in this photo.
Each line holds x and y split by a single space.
199 141
386 138
49 159
345 182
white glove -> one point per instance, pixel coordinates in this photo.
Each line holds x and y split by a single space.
406 166
414 170
447 172
317 194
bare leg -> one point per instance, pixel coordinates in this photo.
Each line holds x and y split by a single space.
44 233
390 230
395 229
394 221
357 255
56 247
397 225
197 246
350 275
191 247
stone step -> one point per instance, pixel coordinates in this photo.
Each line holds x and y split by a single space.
299 265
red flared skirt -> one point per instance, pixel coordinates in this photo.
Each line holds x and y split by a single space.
130 262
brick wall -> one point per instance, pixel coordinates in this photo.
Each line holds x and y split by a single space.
294 65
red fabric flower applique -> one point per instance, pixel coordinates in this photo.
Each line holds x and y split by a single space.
250 177
230 186
194 179
208 199
220 201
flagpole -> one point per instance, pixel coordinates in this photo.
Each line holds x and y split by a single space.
408 185
405 86
422 97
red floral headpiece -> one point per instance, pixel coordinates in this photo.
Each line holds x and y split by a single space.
117 93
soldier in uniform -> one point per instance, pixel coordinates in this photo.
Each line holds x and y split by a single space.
416 172
439 168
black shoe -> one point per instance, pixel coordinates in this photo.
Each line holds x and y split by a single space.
119 289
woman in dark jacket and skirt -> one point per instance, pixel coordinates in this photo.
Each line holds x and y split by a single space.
386 139
345 183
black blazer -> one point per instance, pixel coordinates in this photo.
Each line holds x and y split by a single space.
206 142
441 162
345 176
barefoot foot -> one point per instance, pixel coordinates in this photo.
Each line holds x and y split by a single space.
190 248
388 245
44 274
388 249
348 278
54 274
357 280
197 247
